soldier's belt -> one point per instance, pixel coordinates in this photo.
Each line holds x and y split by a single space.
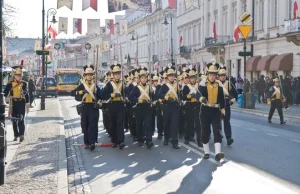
17 99
213 105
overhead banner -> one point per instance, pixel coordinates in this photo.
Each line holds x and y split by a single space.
109 26
169 3
73 48
67 3
63 25
123 24
77 26
37 45
93 26
119 5
89 3
190 3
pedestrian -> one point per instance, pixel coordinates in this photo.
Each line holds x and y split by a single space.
190 94
142 96
90 95
169 95
31 89
261 89
230 94
114 93
17 94
276 97
212 107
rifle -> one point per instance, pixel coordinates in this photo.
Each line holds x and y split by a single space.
178 84
123 76
96 74
150 72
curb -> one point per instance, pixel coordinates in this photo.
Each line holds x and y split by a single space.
258 113
62 182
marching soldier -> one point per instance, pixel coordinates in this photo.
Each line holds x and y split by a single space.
114 93
90 96
276 97
126 119
155 86
169 95
106 119
213 105
141 95
159 113
185 81
190 95
230 98
17 94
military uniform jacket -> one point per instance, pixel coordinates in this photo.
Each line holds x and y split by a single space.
213 93
87 98
189 89
169 90
17 90
111 89
140 93
156 93
274 93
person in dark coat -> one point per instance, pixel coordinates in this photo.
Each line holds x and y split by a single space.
261 89
31 90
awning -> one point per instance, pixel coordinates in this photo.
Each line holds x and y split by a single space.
264 63
282 62
252 63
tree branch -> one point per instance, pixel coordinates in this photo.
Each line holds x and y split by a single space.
8 13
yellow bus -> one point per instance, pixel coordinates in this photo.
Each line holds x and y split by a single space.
67 80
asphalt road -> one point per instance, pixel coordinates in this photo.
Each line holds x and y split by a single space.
263 159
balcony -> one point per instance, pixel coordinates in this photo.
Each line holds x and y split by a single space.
292 31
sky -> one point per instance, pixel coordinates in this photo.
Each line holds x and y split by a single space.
28 19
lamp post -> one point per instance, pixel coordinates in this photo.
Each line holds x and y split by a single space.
137 47
166 23
87 47
3 144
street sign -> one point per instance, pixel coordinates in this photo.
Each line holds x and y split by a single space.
57 46
246 18
42 52
88 46
245 54
245 30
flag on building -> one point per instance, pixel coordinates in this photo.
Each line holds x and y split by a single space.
153 7
109 26
63 25
180 41
215 30
77 26
123 24
37 45
236 33
295 9
156 65
169 3
89 3
52 32
168 52
67 3
93 26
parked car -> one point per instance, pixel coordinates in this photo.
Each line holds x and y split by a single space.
51 87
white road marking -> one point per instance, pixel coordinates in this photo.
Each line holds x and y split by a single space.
272 134
246 170
295 140
251 129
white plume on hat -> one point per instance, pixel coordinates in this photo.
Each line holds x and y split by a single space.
213 61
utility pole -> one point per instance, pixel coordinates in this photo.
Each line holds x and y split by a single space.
3 141
43 59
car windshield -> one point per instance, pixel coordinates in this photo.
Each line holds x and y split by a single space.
50 82
68 79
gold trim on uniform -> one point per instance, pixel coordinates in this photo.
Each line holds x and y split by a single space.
212 92
17 89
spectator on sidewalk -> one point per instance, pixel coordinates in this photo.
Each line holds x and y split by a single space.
239 85
31 90
261 89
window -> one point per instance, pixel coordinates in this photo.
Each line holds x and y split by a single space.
225 15
195 34
199 34
274 13
290 8
261 15
234 14
209 27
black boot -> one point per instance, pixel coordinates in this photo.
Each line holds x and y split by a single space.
282 122
219 156
230 141
149 144
206 156
166 142
200 145
92 147
175 146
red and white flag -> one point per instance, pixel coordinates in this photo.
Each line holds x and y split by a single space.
89 3
236 33
52 32
295 9
180 41
215 30
168 52
109 26
77 26
156 65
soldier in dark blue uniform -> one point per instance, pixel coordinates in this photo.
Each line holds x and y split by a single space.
192 109
141 95
155 87
105 114
276 97
212 106
169 95
230 94
126 119
90 95
114 93
17 93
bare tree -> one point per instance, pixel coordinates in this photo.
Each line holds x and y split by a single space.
8 14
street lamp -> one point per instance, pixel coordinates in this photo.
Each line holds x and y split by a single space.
166 23
87 47
137 47
3 144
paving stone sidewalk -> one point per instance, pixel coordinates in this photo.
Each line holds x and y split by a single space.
37 166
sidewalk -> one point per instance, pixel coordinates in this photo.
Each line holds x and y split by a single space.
293 114
39 164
